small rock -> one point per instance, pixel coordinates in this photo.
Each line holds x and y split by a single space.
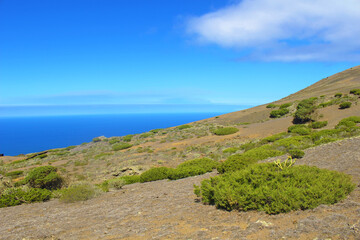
263 223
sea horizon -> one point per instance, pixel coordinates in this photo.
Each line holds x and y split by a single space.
29 134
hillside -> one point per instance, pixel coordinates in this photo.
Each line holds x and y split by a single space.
97 160
328 137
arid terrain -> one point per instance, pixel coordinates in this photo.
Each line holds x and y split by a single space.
170 209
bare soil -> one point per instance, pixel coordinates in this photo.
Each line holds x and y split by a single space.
169 210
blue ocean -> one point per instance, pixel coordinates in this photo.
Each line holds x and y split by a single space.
22 135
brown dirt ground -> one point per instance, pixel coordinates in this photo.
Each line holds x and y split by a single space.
170 210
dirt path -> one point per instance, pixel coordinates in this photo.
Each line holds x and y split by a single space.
169 210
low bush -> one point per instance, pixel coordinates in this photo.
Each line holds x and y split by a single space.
345 105
155 174
114 140
296 142
115 183
317 125
285 105
338 95
45 177
146 135
97 139
190 171
127 138
231 150
300 129
264 187
355 91
271 105
279 113
121 146
296 153
240 161
348 122
225 131
131 179
304 110
17 196
14 174
183 127
78 192
274 138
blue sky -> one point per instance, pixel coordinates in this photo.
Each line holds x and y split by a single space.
178 55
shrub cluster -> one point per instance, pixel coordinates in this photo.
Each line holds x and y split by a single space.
225 131
187 169
279 113
300 129
78 192
338 95
345 105
304 110
355 91
285 105
127 138
271 105
121 146
317 125
265 187
183 127
17 196
45 177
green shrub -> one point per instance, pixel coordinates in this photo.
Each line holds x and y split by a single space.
317 125
231 150
348 122
14 174
331 133
225 131
156 130
97 139
338 95
115 183
274 138
296 153
155 174
345 105
70 147
41 156
285 105
121 146
264 187
146 135
355 91
17 196
304 110
299 129
114 140
240 161
127 138
271 105
179 173
279 113
183 127
131 179
45 177
297 142
78 192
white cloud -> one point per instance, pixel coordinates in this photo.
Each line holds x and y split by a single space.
283 30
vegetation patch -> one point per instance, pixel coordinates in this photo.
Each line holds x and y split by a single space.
155 174
225 131
265 187
279 113
17 196
231 150
304 110
78 192
285 105
193 167
355 91
271 105
182 127
45 177
317 125
345 105
121 146
301 129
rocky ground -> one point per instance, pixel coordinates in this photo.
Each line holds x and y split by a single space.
170 210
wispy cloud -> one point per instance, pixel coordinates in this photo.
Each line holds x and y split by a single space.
283 30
